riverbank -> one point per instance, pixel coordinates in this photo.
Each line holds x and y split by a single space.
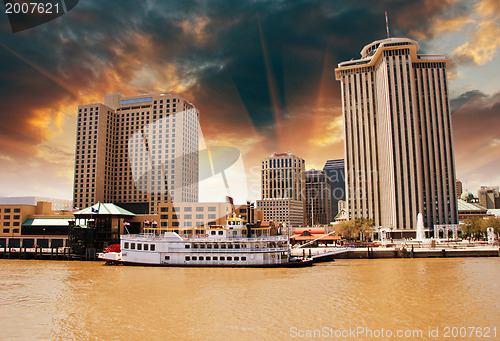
320 254
400 251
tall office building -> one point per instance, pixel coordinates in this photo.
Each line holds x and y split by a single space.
398 138
137 152
282 189
335 171
318 198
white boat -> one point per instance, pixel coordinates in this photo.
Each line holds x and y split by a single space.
232 245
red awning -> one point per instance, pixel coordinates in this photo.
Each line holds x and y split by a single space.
319 237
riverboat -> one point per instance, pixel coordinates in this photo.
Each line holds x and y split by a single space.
233 245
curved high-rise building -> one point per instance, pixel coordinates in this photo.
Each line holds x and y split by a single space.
398 138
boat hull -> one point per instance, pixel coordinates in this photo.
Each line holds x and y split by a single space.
115 259
301 264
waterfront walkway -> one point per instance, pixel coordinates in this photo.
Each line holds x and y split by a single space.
401 250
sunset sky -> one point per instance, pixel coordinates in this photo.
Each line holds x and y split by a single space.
260 72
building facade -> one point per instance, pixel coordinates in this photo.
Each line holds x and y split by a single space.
458 188
342 205
489 197
283 186
335 171
398 137
57 204
318 198
26 224
137 152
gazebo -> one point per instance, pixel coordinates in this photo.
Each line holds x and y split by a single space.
99 225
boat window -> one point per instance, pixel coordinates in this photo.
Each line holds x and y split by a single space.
230 246
209 246
243 258
208 258
201 257
222 258
194 258
145 247
216 246
125 245
167 257
215 258
202 246
213 233
243 246
229 258
221 233
132 246
195 246
186 246
235 233
152 247
187 258
237 246
236 258
139 246
223 246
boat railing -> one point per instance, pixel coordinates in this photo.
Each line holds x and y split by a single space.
209 239
240 250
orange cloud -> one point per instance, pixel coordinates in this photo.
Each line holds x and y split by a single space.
482 46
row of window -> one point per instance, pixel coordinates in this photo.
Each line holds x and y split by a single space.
222 258
188 216
216 246
8 230
15 223
138 246
190 209
85 110
7 217
8 210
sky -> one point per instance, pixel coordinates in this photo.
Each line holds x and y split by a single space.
260 72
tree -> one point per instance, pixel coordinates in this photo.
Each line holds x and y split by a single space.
493 222
474 227
363 226
345 229
354 229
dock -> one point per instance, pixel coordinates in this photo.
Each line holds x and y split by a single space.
324 254
56 253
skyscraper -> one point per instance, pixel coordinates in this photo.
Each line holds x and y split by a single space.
137 152
398 138
318 198
335 171
282 189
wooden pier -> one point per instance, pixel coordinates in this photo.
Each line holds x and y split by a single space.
56 253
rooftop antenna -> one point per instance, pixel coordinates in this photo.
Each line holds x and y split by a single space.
387 24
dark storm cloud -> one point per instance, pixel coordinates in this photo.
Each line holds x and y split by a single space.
457 103
476 128
79 47
477 140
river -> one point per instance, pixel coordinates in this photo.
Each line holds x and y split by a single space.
367 299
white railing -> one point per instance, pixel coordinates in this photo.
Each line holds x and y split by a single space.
209 239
